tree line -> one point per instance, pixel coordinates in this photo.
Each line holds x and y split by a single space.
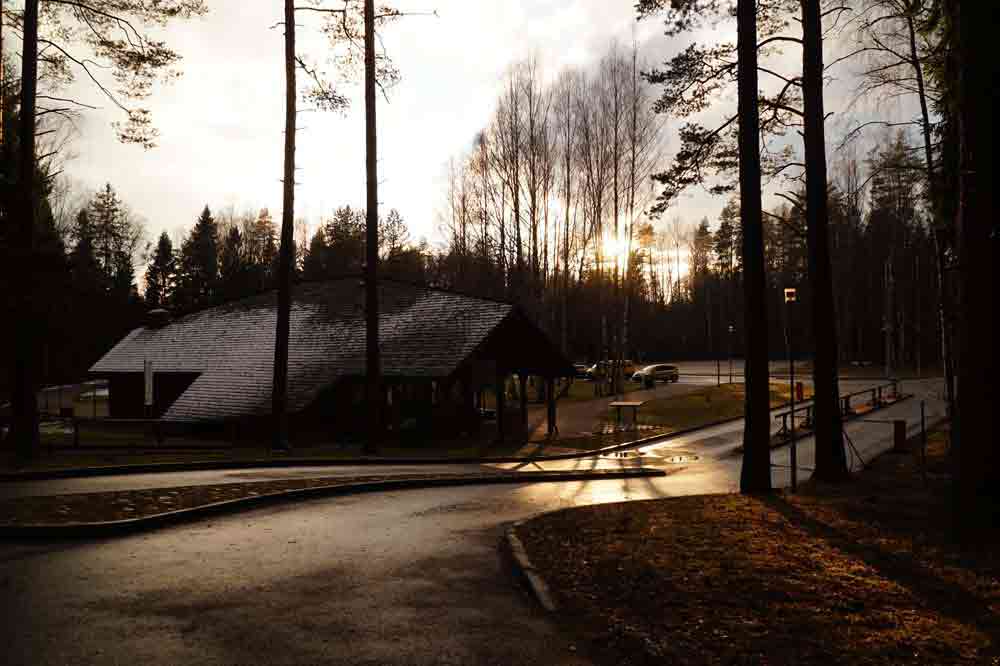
232 256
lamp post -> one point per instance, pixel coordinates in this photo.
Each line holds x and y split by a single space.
732 329
793 462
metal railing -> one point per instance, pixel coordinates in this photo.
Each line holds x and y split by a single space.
881 395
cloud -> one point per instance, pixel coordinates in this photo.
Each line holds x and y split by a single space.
221 124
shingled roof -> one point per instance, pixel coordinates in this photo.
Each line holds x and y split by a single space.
424 332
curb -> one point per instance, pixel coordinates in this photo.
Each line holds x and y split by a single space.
514 548
113 528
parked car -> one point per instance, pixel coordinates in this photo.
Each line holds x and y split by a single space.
580 370
657 373
628 368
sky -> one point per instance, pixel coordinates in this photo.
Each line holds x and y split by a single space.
221 123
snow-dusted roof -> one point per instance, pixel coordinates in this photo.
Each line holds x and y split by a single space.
424 332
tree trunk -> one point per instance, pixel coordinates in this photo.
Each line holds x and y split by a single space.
944 309
978 481
565 286
831 459
755 475
24 427
373 366
279 389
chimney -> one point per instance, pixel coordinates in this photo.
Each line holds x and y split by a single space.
157 318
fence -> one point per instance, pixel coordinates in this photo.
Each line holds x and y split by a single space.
66 433
880 397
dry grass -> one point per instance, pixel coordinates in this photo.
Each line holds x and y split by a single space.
860 573
706 405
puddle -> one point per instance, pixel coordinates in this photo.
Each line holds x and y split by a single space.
681 458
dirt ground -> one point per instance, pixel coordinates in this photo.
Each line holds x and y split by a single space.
865 572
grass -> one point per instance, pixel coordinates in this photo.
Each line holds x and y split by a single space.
713 403
581 390
865 572
146 451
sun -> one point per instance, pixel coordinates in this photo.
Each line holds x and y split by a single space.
615 250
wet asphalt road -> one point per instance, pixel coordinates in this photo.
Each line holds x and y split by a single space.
408 577
402 578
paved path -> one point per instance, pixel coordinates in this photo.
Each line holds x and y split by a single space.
408 577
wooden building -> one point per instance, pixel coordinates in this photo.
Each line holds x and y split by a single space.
441 352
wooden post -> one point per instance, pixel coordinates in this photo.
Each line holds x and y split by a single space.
500 389
522 380
899 436
550 388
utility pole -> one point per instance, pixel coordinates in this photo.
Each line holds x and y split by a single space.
373 366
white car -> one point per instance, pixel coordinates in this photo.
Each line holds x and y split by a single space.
657 373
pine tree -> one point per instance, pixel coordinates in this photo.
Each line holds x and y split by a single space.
199 269
345 239
160 274
728 240
123 286
393 235
105 212
234 276
314 265
701 248
85 270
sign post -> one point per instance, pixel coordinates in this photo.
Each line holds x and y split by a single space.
732 329
790 298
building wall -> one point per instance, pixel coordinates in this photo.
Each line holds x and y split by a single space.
127 393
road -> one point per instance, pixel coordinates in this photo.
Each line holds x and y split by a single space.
408 577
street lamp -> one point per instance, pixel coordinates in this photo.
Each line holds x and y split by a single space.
790 298
732 329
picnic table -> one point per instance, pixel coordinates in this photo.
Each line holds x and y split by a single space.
634 404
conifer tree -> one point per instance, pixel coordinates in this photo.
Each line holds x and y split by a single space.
234 271
314 265
160 274
199 269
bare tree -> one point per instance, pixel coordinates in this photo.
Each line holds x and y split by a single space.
891 38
